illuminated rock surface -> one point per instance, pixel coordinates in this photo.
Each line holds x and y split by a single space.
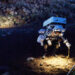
50 65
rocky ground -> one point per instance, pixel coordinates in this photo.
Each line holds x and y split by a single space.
20 13
52 65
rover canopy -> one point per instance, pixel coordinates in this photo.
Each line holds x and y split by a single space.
54 20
